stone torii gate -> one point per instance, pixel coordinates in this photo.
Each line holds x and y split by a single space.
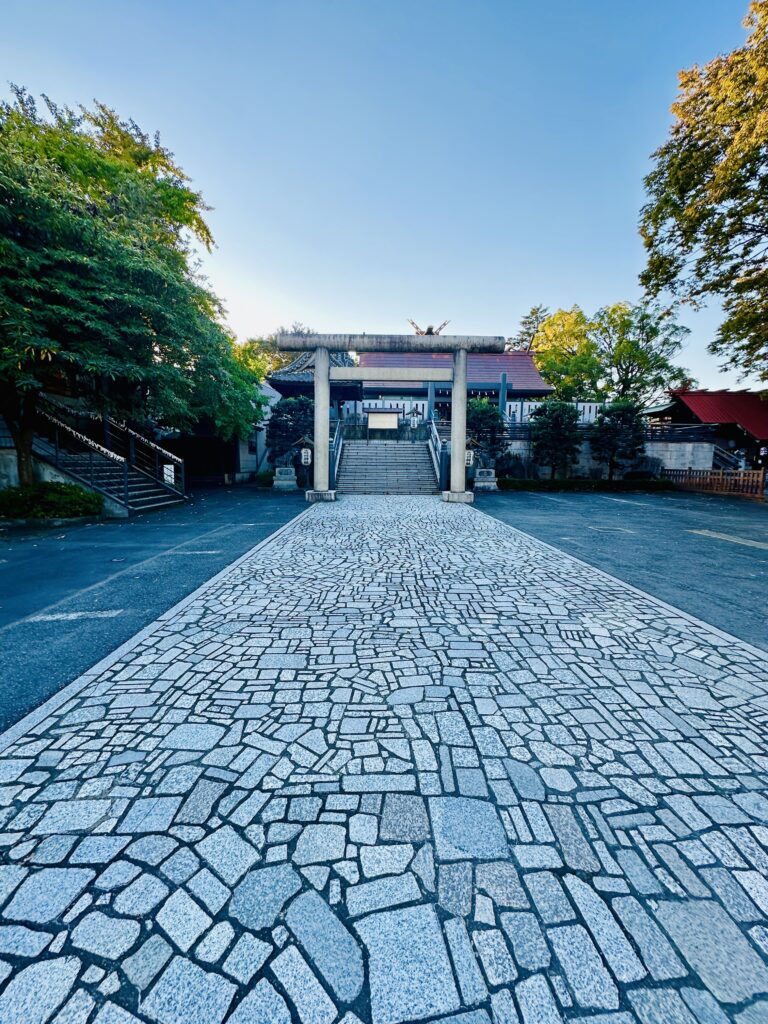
458 345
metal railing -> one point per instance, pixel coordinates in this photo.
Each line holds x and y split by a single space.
80 457
337 444
440 451
138 451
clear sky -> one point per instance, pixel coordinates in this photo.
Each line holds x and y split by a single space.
373 160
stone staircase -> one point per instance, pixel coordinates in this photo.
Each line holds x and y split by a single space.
386 467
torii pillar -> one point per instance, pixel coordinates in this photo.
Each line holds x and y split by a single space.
457 345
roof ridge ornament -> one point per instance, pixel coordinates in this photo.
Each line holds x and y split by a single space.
430 330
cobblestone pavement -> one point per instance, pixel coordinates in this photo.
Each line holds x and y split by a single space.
401 763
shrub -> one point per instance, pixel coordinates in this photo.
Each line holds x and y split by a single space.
264 479
508 484
49 501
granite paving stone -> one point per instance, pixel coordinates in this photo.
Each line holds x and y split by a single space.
402 763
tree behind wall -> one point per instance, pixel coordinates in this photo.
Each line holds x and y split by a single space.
98 290
555 436
290 420
485 424
617 438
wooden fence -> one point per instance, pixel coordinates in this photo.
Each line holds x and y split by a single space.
747 483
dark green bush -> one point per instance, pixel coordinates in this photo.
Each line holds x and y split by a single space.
49 501
508 484
265 479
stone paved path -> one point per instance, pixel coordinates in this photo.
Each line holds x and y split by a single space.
402 763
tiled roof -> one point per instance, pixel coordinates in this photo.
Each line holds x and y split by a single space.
748 409
482 368
301 370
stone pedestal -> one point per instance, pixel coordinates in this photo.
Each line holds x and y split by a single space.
313 496
285 479
460 497
485 480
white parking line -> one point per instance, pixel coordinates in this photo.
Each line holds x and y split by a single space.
626 501
744 541
70 616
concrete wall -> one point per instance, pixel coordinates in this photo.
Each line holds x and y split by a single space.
251 462
682 454
44 473
671 454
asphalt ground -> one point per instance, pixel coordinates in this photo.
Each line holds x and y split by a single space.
69 596
704 554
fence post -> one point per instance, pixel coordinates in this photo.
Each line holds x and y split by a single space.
125 482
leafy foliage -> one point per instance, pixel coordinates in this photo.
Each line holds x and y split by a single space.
262 356
49 501
567 357
555 435
617 437
529 327
98 290
485 425
623 351
705 225
290 420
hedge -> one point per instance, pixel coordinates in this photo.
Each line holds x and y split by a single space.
49 501
512 484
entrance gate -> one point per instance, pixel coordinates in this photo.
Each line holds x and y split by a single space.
458 345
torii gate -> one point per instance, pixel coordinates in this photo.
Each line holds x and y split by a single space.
458 344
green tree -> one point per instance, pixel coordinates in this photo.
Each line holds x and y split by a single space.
637 346
290 420
617 438
568 357
529 326
97 283
705 225
555 435
262 354
485 424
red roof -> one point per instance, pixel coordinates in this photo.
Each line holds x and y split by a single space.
748 409
482 368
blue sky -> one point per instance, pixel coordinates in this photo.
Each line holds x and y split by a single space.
370 161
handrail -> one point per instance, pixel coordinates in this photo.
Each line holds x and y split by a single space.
435 444
85 440
336 447
120 424
145 440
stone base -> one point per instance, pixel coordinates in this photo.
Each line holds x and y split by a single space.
486 485
462 497
285 485
314 496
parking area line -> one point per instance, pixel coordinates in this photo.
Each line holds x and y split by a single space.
744 541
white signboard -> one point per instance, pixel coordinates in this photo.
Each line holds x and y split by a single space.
383 420
169 475
306 456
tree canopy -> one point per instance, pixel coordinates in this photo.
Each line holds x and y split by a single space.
555 435
485 424
98 285
705 225
526 332
617 437
567 356
623 351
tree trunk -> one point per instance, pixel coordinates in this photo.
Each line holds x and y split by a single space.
20 417
22 439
